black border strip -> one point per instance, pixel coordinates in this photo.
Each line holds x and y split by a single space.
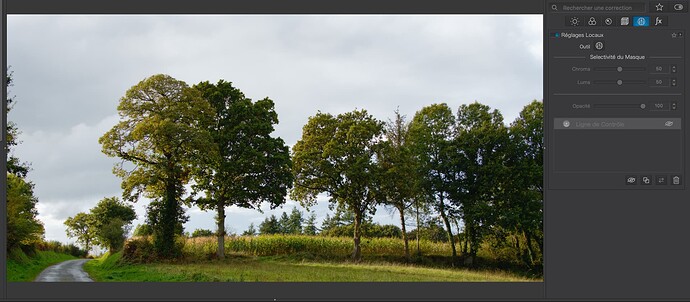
274 7
277 291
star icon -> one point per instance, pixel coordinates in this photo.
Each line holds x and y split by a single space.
659 7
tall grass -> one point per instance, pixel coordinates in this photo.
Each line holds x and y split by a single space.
304 245
22 267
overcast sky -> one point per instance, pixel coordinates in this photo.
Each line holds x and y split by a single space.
71 71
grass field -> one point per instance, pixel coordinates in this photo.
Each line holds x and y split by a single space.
21 267
242 268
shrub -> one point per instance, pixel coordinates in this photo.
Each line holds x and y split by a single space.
202 233
59 247
139 250
142 250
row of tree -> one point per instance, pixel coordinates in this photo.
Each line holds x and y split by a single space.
469 168
106 225
295 224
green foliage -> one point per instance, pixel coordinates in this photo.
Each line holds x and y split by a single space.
310 225
107 224
202 233
110 208
293 225
61 248
399 184
337 156
111 222
481 139
270 225
23 227
143 250
142 230
113 234
81 227
431 134
251 230
520 210
399 168
14 165
341 224
156 215
163 132
248 167
369 230
139 250
431 231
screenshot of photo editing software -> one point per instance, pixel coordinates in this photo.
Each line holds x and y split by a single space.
309 150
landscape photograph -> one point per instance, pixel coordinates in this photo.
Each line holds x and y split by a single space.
274 148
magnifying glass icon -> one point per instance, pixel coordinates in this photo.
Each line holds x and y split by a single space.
554 7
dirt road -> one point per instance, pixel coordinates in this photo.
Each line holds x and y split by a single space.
67 271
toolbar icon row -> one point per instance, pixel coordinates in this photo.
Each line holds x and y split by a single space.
635 21
648 180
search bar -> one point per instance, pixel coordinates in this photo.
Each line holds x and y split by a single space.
597 7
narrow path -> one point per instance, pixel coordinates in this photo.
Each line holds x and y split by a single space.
67 271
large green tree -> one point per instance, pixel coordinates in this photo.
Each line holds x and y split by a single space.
269 226
480 141
111 218
522 206
336 155
398 182
310 225
250 166
294 222
431 135
23 227
81 227
161 136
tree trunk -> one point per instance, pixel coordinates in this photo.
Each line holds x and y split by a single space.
517 246
87 246
473 240
540 243
357 252
457 229
530 250
465 240
166 238
401 209
448 228
419 251
221 229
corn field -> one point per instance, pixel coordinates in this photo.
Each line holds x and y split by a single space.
317 246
